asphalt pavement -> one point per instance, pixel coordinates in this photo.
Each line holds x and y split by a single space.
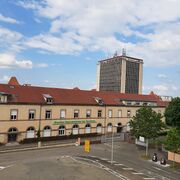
73 163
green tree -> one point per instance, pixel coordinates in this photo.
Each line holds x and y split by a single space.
172 142
146 123
172 113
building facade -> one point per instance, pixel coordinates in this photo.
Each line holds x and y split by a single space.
25 109
120 74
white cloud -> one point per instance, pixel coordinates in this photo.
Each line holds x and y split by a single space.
164 76
4 78
10 40
109 26
8 19
163 89
9 61
59 45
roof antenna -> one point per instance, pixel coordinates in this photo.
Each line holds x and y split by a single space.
115 54
123 52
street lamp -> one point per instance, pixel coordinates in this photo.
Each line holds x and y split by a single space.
112 144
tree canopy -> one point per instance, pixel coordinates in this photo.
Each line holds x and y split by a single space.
146 123
172 113
172 142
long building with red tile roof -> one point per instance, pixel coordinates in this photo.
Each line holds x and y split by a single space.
25 109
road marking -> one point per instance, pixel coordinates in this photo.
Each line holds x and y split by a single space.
137 173
119 164
128 169
160 170
104 159
2 167
149 178
99 165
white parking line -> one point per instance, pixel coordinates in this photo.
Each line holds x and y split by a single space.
128 169
160 170
119 164
104 159
2 167
137 173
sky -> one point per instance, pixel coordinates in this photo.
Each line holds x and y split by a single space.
58 43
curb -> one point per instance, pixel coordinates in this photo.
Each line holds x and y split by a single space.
36 148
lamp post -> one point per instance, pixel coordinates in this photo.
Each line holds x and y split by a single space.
112 145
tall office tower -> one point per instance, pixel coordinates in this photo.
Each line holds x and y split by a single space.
120 74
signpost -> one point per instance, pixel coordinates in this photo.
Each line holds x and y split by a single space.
87 146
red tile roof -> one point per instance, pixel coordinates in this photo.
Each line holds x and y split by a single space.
34 95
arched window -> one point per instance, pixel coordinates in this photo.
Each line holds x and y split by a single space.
109 127
12 134
47 131
75 129
88 128
99 128
30 132
62 130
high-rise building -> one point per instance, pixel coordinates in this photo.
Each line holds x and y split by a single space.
120 74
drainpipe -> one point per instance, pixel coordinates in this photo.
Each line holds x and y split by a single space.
39 128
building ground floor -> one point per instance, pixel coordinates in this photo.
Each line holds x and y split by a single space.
20 130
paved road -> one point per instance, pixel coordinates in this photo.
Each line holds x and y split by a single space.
73 163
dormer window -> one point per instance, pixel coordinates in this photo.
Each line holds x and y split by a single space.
48 98
99 101
4 97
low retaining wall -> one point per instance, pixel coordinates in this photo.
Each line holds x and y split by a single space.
175 158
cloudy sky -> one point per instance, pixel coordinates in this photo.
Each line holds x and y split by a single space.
59 42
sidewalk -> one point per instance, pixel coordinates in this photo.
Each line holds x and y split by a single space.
14 147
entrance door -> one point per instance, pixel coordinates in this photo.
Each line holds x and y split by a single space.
119 128
12 135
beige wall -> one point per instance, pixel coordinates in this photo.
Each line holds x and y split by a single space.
173 157
22 122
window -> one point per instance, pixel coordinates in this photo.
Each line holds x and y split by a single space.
99 113
87 128
76 113
47 131
88 113
49 100
128 113
48 114
61 130
109 127
119 113
99 128
14 114
75 129
31 114
110 113
62 113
